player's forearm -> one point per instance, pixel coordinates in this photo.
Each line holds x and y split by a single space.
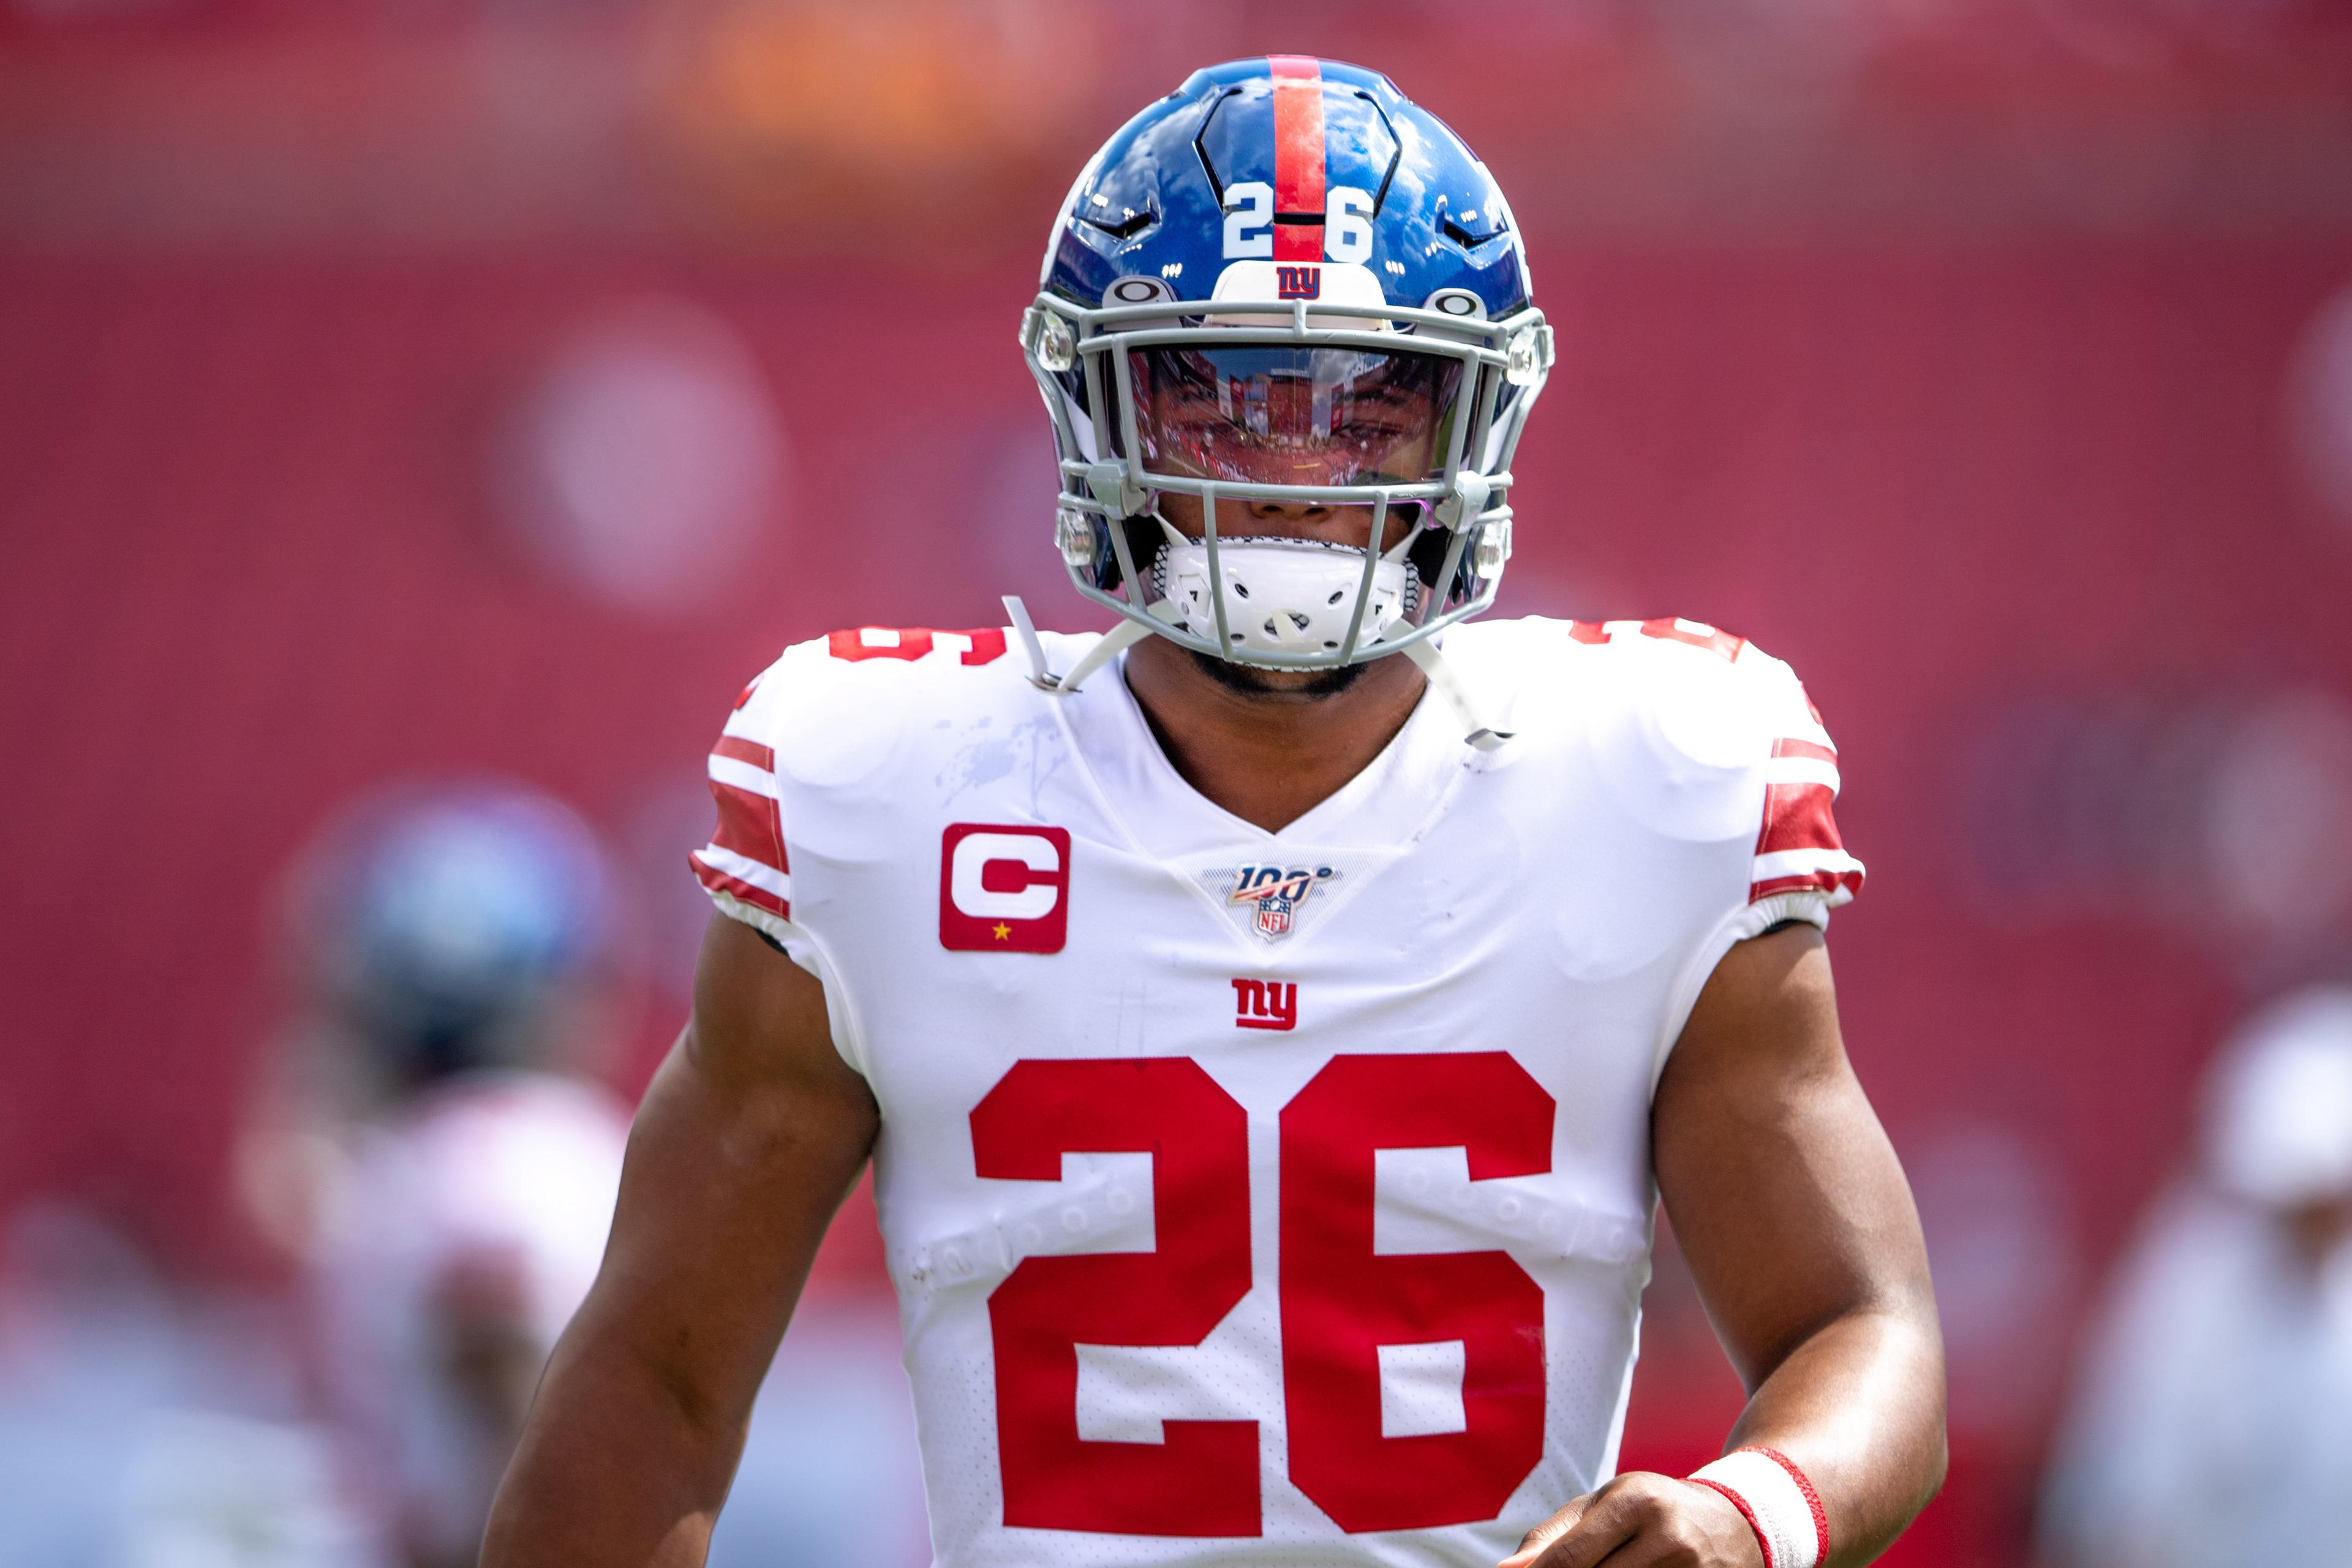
750 1134
615 1470
1859 1406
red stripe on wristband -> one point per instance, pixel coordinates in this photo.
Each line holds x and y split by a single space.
1812 1499
1763 1541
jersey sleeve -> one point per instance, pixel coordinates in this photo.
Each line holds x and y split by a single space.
745 867
1730 711
1801 869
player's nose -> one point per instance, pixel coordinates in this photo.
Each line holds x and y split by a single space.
1311 519
1328 524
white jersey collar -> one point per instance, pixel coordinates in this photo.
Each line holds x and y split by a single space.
1165 816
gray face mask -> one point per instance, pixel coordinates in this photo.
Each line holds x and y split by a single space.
1284 595
1383 414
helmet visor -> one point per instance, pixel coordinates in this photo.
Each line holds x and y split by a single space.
1292 415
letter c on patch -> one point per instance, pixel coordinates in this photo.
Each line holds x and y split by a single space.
972 866
1003 888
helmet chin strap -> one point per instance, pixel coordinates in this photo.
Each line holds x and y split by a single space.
1448 685
1117 640
1440 674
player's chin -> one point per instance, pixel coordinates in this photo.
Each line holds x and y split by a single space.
1278 684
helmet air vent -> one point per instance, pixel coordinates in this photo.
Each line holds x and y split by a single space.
1464 237
1126 228
1471 223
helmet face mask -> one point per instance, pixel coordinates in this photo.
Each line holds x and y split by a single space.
1197 389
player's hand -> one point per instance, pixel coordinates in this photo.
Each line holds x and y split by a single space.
1643 1521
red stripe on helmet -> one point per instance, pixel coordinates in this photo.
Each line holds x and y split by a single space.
1297 157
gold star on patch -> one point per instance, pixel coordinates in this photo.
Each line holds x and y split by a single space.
1001 931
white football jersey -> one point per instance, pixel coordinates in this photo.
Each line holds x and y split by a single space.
1260 1198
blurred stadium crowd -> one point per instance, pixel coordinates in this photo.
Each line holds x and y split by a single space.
417 417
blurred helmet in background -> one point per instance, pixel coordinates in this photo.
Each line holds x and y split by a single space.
2280 1103
436 921
1286 283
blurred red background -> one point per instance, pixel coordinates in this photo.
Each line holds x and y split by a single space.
1991 365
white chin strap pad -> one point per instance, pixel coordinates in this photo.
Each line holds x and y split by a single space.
1283 596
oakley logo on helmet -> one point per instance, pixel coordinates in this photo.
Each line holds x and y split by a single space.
1003 889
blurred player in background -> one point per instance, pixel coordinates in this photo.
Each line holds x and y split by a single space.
1272 1034
459 946
2214 1426
455 938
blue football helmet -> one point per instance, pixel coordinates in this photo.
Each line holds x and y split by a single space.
1286 283
440 915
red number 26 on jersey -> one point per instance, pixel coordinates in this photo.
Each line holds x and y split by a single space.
1342 1303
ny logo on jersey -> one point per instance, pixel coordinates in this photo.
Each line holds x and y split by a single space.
1277 892
1266 1004
1298 282
1003 889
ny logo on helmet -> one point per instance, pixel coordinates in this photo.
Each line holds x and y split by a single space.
1298 282
1277 892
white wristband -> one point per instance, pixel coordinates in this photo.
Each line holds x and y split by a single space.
1779 1504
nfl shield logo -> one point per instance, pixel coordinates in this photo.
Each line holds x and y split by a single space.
1276 892
1273 916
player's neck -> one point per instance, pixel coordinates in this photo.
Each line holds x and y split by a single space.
1267 757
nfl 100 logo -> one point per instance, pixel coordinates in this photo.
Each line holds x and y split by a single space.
1277 892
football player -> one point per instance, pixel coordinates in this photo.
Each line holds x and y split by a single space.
1273 1031
454 938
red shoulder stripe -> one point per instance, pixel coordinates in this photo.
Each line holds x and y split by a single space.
751 820
1797 816
743 750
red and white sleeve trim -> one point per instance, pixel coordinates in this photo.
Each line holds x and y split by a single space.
1779 1504
1798 849
744 864
740 876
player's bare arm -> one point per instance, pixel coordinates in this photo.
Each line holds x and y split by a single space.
754 1131
1800 1231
